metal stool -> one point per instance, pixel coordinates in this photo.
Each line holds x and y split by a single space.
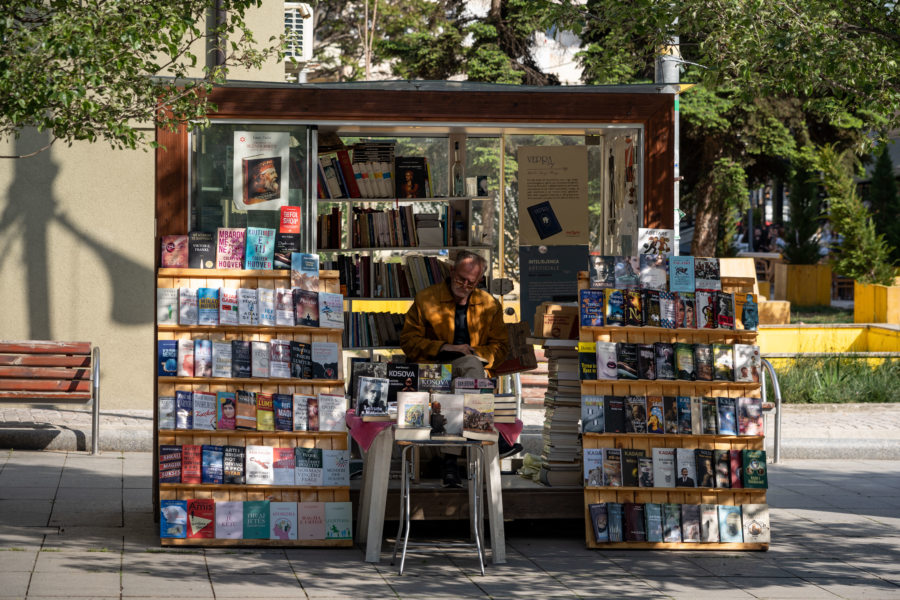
475 479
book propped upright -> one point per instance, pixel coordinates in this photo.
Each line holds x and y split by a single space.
478 417
174 252
230 243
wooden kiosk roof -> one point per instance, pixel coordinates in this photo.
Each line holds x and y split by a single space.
457 105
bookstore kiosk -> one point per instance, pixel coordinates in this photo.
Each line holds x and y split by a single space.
454 125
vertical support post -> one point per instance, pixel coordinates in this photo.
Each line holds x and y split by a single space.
494 493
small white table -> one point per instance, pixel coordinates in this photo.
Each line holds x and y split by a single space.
373 497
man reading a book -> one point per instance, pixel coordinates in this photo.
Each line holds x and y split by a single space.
453 322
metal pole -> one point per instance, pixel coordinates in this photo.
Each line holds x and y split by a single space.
95 398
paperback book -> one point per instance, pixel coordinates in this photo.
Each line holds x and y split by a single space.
684 362
201 250
241 361
324 360
681 274
591 308
614 307
187 306
174 252
228 306
167 358
208 306
246 410
653 271
331 310
607 361
233 464
628 272
230 243
646 360
260 251
265 301
635 414
260 469
592 417
202 358
332 408
221 359
212 458
634 308
602 271
305 271
204 411
301 360
285 304
706 273
166 306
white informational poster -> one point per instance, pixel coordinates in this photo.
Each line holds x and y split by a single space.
553 195
261 169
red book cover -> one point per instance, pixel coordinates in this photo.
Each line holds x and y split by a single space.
347 169
736 465
174 252
290 220
201 518
191 455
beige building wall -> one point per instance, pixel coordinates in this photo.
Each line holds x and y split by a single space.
77 247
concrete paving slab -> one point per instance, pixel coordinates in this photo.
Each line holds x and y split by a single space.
23 538
28 493
85 539
17 560
15 585
781 589
75 585
163 585
610 587
79 561
241 585
869 587
697 587
738 566
25 513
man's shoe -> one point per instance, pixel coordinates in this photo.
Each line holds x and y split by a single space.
514 449
451 480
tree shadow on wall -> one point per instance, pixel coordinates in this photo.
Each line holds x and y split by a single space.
26 219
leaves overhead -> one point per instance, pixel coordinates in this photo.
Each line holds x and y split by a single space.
99 69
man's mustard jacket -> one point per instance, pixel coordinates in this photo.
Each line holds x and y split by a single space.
429 325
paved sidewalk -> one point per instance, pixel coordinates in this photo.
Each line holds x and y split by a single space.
841 431
73 525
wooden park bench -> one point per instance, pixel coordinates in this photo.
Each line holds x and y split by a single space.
34 372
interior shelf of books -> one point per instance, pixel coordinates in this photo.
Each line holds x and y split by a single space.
253 448
389 225
671 412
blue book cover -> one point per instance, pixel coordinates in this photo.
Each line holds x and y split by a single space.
208 305
184 409
172 518
169 463
684 415
544 219
727 419
211 464
681 273
615 524
305 271
260 249
730 528
591 308
284 412
167 358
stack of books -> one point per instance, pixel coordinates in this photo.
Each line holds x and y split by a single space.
562 454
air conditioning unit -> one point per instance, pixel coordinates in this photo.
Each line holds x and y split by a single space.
298 32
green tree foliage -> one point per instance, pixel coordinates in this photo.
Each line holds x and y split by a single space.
430 39
728 183
884 201
102 69
801 233
842 59
863 254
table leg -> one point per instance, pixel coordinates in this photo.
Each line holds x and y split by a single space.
376 473
494 495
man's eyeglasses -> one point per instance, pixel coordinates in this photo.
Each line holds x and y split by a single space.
464 283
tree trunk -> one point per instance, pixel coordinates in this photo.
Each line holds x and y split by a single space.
706 220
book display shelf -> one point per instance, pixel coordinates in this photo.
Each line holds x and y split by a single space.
646 442
304 495
386 244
